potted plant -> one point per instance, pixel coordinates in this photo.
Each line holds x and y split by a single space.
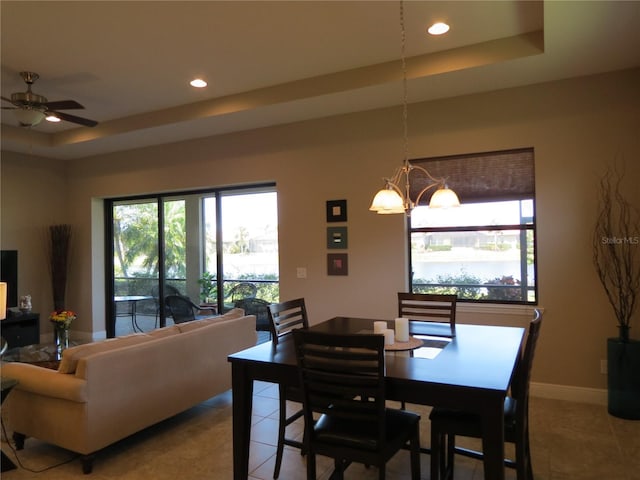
616 256
208 289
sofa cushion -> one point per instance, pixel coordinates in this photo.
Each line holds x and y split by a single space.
195 324
71 355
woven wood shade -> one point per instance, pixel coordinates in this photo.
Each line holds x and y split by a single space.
480 177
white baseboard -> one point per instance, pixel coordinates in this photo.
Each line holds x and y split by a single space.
595 396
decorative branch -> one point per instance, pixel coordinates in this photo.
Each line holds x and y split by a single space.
616 249
58 251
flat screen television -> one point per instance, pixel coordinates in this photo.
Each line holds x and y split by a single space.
9 274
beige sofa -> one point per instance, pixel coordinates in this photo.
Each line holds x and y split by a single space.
105 391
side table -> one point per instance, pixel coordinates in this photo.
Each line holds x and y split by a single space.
20 329
7 385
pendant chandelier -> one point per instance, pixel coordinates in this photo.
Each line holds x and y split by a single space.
395 196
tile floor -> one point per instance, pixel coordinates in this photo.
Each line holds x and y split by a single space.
570 441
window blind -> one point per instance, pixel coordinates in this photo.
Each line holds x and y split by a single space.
480 177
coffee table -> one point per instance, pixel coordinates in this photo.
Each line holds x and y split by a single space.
41 354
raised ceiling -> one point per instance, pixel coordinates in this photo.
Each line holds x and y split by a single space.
267 63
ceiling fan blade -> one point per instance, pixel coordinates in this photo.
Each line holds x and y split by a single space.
72 118
6 100
9 108
62 105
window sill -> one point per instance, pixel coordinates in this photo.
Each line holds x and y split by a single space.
495 314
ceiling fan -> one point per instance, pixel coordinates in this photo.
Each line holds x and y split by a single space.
31 108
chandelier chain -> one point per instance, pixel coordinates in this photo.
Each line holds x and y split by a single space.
395 197
404 86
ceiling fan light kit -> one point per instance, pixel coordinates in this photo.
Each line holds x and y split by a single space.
28 117
30 108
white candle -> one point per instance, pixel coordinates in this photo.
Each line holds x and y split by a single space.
402 329
388 337
379 327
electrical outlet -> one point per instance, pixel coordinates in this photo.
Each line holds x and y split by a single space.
603 367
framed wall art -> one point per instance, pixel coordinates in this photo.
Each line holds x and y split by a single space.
336 237
337 264
336 210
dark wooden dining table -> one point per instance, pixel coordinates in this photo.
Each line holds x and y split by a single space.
472 372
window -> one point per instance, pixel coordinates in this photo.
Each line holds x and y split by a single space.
197 244
484 250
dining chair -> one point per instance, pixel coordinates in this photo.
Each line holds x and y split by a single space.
446 423
283 318
342 377
182 309
439 309
430 307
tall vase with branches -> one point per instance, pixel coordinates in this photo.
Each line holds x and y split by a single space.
616 256
58 251
616 249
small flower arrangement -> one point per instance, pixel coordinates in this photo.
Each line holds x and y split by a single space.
62 318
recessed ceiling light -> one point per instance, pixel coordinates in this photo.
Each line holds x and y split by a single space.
438 28
52 118
198 83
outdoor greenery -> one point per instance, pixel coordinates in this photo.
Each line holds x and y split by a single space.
450 285
135 240
470 287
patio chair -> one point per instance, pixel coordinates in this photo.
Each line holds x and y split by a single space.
257 307
183 309
242 290
168 290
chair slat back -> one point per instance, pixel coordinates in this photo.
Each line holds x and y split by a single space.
427 307
342 376
287 316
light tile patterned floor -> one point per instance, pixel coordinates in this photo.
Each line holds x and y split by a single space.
570 441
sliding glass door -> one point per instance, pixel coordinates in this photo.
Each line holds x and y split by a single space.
241 238
218 248
135 267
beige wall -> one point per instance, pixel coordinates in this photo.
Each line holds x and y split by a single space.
33 195
575 127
